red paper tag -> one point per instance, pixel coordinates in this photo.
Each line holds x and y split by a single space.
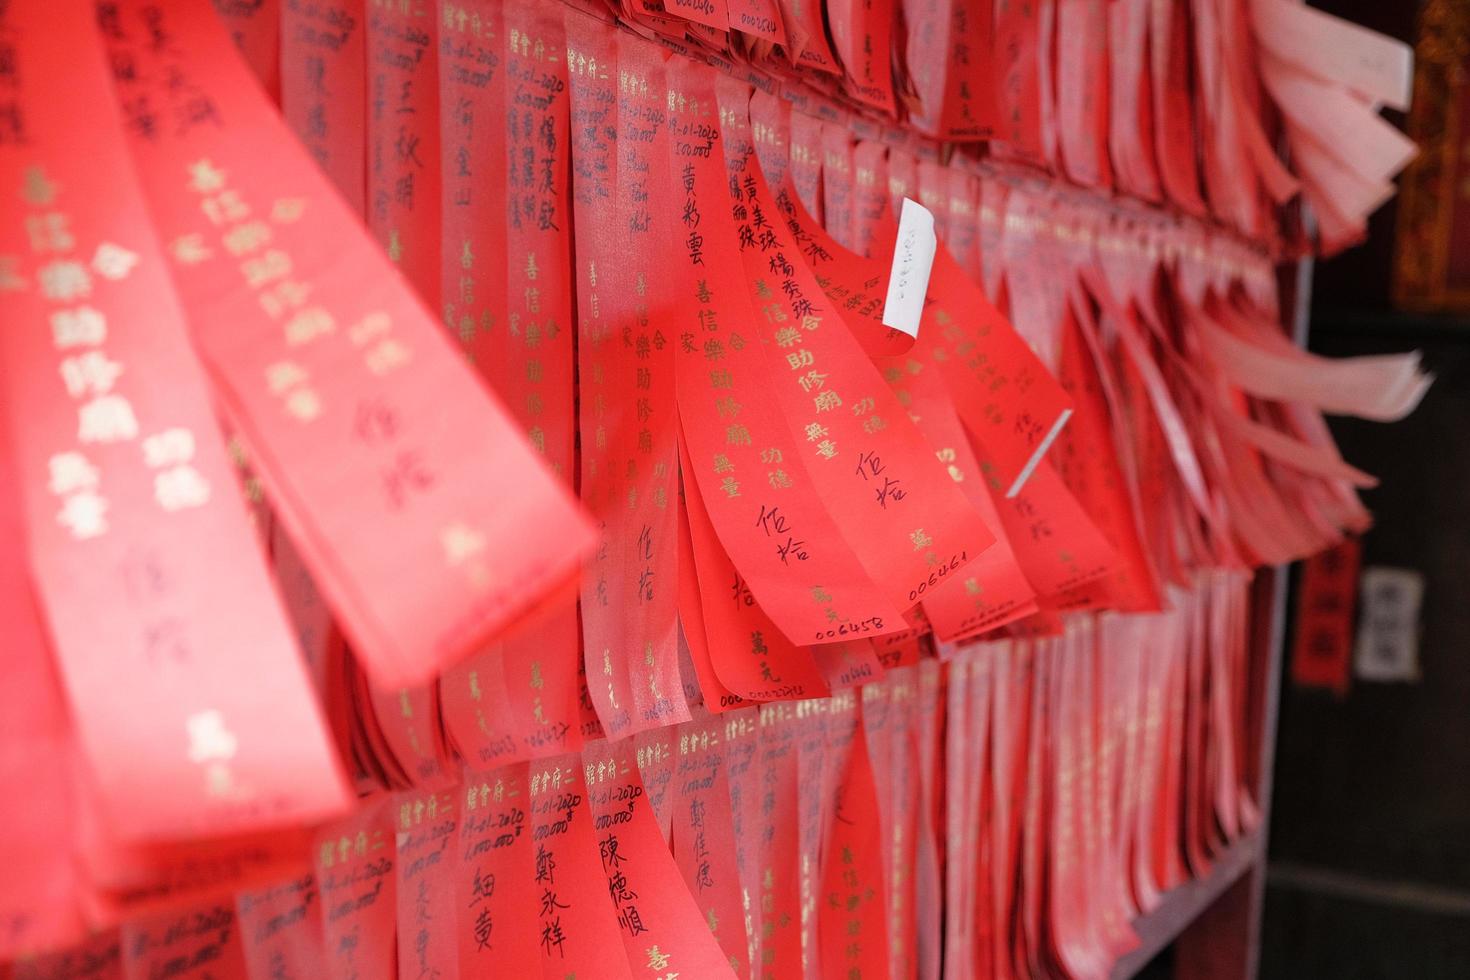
403 139
992 590
428 832
1173 114
837 184
1321 655
750 655
714 14
862 31
655 757
806 147
853 908
97 958
704 832
806 36
525 351
820 749
748 470
714 694
949 63
200 942
577 927
771 794
408 721
1017 38
663 931
963 735
281 928
323 89
1087 460
495 908
758 18
962 233
354 870
256 29
144 561
832 394
742 751
38 892
626 360
870 199
927 725
1003 393
339 383
1082 90
1130 98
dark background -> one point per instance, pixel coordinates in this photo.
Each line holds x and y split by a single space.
1369 871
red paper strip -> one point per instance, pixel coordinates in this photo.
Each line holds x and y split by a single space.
663 931
323 90
749 473
1321 655
750 656
806 35
927 726
742 751
655 757
714 14
870 199
714 695
577 927
1082 90
1087 460
853 906
1130 100
341 379
428 832
805 154
704 831
38 892
202 942
1017 39
770 793
408 721
255 27
832 394
146 567
526 352
281 928
964 728
98 958
758 18
626 359
535 359
403 139
355 871
862 31
1173 115
992 590
495 908
837 186
971 99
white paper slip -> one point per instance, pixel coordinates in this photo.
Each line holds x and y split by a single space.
913 258
1387 647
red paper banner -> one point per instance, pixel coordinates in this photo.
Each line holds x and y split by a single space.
336 383
147 571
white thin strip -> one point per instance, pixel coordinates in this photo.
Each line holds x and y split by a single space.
1035 459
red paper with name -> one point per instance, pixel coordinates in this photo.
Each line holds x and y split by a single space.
144 561
342 379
